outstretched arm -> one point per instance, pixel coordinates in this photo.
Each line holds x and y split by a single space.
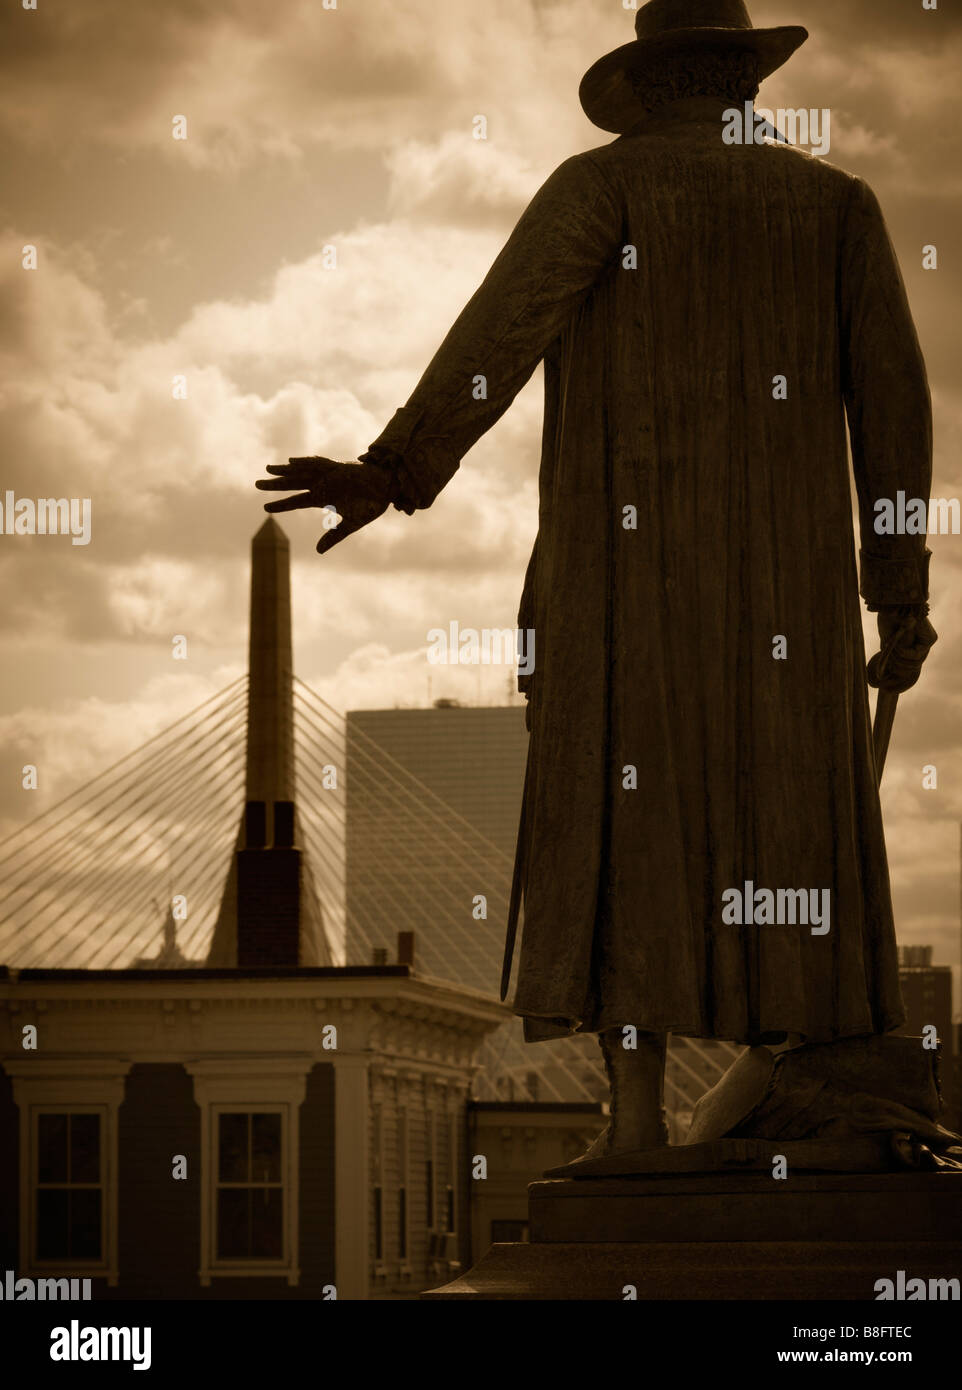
568 236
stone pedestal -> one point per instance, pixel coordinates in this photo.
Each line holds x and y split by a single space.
726 1236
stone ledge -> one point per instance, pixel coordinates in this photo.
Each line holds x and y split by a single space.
749 1207
742 1270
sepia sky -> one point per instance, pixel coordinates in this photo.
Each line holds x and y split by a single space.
352 127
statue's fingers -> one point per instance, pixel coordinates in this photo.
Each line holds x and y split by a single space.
310 472
361 514
339 533
298 468
291 504
311 467
278 485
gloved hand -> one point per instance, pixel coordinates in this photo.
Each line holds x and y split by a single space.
358 492
906 637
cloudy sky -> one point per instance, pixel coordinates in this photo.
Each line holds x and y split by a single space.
352 127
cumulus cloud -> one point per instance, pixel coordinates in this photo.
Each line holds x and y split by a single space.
272 82
460 178
374 677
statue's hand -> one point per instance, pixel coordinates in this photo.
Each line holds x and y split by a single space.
356 492
905 636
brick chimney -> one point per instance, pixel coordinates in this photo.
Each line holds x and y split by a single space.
268 889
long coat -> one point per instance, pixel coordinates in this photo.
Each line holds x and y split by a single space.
706 314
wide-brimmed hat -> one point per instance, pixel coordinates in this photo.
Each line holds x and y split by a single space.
663 30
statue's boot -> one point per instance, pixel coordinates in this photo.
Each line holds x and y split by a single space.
840 1093
636 1077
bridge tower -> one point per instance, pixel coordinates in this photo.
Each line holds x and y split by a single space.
269 913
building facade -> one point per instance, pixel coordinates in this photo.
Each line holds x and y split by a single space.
445 835
518 1142
927 994
236 1134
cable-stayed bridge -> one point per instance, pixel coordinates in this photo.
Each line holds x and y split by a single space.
138 867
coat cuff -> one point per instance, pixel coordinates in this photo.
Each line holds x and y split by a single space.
886 580
421 467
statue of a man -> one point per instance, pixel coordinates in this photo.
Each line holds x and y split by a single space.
702 849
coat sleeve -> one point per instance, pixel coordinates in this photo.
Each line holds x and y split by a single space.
569 234
887 401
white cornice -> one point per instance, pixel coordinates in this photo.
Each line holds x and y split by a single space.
404 1023
396 993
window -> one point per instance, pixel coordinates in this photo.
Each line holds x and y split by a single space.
452 1161
68 1208
68 1164
377 1143
379 1223
442 1167
250 1186
429 1170
402 1190
249 1147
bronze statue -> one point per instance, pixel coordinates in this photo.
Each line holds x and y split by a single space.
707 313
